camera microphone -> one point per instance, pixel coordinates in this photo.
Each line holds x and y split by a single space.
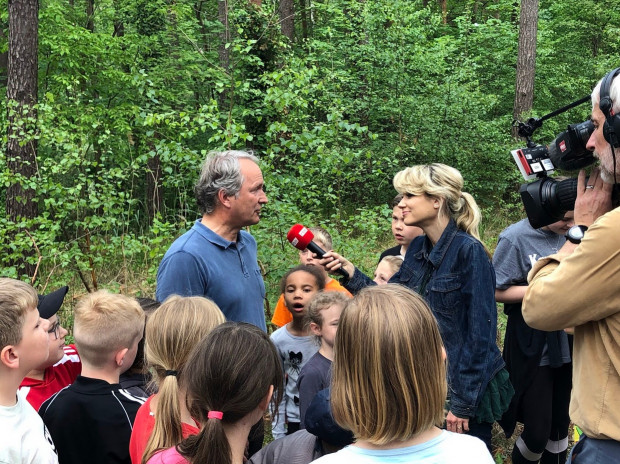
302 238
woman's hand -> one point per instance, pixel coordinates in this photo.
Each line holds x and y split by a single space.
456 424
332 261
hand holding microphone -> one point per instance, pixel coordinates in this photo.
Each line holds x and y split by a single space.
302 238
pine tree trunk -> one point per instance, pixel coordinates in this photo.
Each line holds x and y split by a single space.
526 61
287 19
21 94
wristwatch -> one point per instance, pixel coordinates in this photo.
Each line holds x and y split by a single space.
575 234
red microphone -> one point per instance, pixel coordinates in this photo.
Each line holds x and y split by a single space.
301 238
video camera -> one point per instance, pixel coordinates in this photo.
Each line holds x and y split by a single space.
547 200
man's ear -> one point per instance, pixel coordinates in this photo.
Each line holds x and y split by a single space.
119 357
223 198
9 357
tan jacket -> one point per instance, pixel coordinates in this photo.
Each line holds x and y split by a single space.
582 290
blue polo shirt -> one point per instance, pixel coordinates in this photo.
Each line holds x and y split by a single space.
201 263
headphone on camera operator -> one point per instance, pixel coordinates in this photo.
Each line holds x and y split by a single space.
611 128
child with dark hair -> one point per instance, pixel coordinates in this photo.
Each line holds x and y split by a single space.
294 341
281 316
235 370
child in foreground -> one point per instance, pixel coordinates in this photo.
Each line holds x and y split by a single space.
281 316
24 345
172 331
294 341
389 383
91 420
63 364
233 373
322 318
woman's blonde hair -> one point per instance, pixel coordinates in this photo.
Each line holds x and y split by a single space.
444 182
172 331
389 375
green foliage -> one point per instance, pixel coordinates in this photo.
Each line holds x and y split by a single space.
377 86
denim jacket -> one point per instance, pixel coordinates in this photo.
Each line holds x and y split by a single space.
457 280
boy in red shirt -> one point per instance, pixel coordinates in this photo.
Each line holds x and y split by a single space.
63 364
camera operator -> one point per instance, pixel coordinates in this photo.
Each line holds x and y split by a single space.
578 287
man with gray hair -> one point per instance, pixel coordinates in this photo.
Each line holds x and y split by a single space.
215 258
578 287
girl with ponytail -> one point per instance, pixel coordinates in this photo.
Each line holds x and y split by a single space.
451 269
172 331
230 379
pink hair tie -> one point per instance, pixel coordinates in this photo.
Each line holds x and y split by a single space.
215 415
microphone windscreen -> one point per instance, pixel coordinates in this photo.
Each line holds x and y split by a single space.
299 236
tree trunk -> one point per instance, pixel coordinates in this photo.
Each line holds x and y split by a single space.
90 15
21 92
287 19
222 15
444 11
153 187
304 19
526 61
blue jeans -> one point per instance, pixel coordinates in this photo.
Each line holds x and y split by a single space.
592 451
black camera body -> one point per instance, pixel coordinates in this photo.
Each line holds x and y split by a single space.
547 200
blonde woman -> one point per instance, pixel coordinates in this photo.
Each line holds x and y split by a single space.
172 331
451 269
389 383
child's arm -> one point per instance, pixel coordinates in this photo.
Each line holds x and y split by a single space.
309 384
278 418
278 430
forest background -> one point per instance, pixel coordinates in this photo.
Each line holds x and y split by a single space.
334 96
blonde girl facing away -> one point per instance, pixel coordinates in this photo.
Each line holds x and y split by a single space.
172 331
389 383
230 384
451 269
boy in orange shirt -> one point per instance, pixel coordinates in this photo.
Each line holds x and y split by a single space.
281 315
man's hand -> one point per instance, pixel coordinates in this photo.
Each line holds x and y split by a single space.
593 199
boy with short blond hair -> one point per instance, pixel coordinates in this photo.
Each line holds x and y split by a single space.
24 344
91 420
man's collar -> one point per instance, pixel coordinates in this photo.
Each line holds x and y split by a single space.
216 239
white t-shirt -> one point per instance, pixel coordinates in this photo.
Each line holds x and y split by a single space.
447 447
24 439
